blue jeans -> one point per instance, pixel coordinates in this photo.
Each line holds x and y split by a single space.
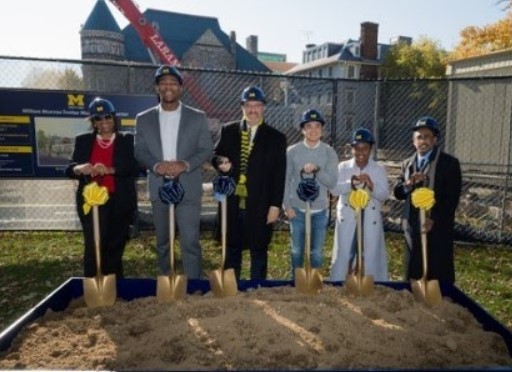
298 236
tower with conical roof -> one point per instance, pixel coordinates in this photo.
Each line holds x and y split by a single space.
102 40
101 36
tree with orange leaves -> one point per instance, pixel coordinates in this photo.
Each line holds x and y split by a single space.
476 41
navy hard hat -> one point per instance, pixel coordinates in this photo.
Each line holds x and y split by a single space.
168 70
429 123
311 115
100 106
361 135
253 93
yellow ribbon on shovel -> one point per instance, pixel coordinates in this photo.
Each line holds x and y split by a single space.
94 195
423 198
423 289
359 199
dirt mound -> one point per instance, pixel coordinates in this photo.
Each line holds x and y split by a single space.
266 328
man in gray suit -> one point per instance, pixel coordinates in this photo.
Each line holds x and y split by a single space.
172 140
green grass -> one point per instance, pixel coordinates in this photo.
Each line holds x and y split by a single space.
32 264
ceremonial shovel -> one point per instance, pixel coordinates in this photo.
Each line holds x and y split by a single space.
223 282
424 290
357 283
307 279
101 289
171 287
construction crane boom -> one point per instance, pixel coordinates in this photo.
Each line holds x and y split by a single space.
156 45
148 34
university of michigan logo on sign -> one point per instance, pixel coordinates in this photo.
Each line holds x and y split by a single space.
75 101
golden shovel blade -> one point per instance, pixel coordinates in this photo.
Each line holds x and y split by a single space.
100 290
424 290
360 285
427 291
223 283
308 280
171 287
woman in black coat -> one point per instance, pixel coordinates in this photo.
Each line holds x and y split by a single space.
105 155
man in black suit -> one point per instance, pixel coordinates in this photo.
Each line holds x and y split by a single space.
254 154
433 168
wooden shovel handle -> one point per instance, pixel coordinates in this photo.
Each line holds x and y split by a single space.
359 228
423 243
307 259
223 212
171 236
96 230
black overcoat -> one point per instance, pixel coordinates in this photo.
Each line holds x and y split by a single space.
440 239
126 169
266 172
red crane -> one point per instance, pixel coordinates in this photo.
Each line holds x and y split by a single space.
148 34
156 45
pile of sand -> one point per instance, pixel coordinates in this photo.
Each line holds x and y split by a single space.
266 328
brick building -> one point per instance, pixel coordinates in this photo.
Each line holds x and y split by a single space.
197 41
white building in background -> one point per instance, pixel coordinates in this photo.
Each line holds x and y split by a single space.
352 59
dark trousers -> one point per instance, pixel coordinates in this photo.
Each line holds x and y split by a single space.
114 230
259 255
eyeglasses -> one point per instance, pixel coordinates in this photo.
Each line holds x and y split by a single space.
101 117
253 105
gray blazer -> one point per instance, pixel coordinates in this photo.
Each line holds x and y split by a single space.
195 146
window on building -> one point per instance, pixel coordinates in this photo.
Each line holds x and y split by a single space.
351 72
320 73
330 71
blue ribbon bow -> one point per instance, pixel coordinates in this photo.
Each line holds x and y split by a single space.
171 192
223 186
308 189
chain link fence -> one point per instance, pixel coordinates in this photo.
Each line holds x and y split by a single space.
475 116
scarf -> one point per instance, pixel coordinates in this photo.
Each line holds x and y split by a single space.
245 151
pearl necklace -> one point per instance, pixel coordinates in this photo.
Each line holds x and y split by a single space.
105 144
